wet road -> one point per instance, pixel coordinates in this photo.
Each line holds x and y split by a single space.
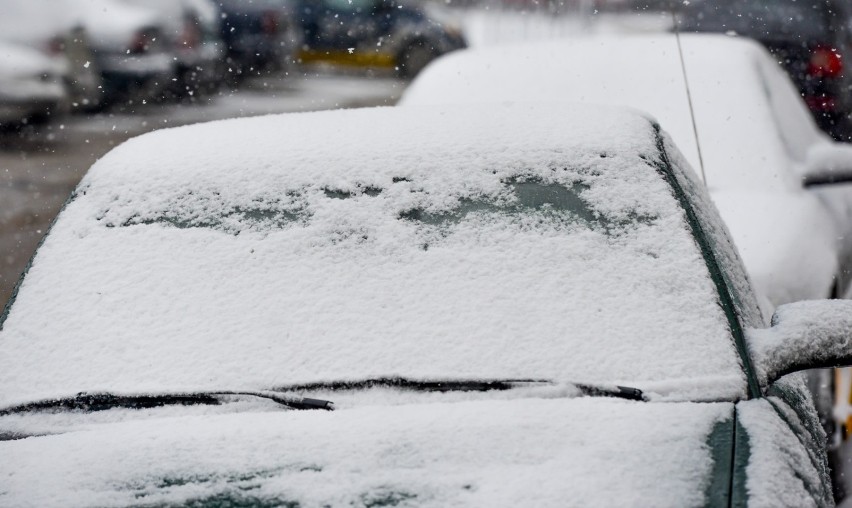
39 168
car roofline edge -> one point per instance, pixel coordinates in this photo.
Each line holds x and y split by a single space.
726 300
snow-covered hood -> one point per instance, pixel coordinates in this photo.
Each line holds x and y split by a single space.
527 452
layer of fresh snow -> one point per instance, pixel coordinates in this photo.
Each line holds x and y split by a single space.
780 472
803 333
755 131
273 279
532 452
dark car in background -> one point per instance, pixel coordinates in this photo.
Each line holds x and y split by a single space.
375 33
812 40
259 35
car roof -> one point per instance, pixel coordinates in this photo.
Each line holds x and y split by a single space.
740 144
283 250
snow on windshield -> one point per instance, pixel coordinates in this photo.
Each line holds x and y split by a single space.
376 243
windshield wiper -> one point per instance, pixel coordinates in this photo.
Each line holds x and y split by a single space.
89 402
463 385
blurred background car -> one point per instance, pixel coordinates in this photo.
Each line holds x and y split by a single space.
191 28
812 40
131 49
49 27
31 86
259 36
375 33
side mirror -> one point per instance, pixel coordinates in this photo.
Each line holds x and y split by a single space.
828 163
804 335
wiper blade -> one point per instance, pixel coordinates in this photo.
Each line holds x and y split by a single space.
463 385
90 402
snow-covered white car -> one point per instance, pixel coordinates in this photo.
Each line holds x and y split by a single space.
758 142
131 48
471 306
49 27
31 86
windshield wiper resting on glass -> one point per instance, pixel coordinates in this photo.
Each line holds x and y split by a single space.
101 401
464 385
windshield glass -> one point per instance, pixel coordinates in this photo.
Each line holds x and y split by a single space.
554 254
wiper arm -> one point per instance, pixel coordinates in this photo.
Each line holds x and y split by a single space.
101 401
463 385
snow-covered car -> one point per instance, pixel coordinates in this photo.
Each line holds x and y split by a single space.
49 27
471 306
192 30
375 33
31 89
130 46
758 144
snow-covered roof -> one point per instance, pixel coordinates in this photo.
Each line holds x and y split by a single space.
346 245
530 452
741 146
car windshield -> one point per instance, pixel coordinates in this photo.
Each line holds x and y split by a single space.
502 263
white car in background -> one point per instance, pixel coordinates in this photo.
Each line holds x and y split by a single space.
761 149
48 27
31 89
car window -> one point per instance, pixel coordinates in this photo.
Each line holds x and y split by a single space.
757 18
793 121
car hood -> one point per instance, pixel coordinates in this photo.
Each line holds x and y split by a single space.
521 452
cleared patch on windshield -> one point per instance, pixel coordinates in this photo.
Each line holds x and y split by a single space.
234 490
519 200
212 212
524 196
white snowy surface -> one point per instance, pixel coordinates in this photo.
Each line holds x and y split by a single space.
755 131
779 473
803 333
277 283
19 62
529 452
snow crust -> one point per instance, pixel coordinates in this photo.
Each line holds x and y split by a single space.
533 452
227 256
